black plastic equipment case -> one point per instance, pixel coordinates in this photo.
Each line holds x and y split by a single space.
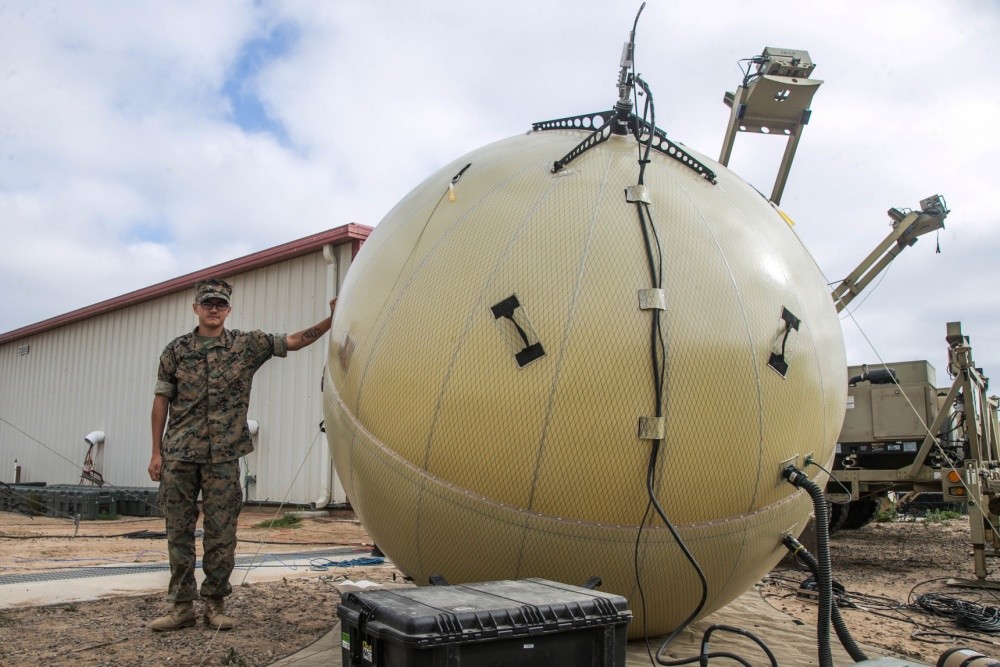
526 623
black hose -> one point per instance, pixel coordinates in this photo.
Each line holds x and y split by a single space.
736 631
876 376
843 634
824 579
704 656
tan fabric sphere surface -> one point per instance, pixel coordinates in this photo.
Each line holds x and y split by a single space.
490 363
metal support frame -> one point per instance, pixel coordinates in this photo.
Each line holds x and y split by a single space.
602 125
930 440
906 228
621 121
774 104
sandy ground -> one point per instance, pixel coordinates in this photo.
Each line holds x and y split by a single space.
884 568
879 566
276 619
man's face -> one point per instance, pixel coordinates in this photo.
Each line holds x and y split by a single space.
211 313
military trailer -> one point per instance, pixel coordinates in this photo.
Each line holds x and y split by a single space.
902 434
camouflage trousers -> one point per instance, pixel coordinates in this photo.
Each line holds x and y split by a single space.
222 500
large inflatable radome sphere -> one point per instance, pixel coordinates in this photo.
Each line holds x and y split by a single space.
492 395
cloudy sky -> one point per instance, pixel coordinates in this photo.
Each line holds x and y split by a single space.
143 140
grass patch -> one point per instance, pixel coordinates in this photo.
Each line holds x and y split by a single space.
35 503
105 516
284 522
234 659
887 514
940 516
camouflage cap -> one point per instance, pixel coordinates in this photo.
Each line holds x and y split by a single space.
212 288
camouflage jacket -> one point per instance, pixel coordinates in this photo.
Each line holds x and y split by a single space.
209 390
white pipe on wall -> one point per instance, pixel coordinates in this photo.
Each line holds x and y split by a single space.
330 255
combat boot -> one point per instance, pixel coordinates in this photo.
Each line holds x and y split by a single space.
215 614
181 616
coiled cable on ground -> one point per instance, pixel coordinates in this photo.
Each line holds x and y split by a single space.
326 563
963 613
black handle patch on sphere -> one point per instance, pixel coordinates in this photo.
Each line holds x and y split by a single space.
516 330
777 359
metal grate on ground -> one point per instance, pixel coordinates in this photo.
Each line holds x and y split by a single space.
264 560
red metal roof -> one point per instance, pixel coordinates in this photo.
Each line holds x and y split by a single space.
353 233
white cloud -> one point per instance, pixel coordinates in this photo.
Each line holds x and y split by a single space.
119 145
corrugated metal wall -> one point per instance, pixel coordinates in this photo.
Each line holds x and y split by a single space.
98 375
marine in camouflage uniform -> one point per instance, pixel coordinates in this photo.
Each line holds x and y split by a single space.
203 386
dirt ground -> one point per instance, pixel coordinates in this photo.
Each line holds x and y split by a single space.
881 567
884 568
276 619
